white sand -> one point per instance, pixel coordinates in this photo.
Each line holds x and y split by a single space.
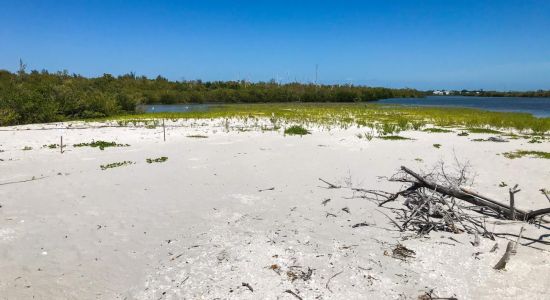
196 226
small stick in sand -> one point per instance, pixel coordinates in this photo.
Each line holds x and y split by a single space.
328 281
61 145
294 294
248 286
515 250
330 185
512 192
164 130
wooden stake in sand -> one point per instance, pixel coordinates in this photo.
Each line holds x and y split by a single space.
164 130
512 192
506 257
61 145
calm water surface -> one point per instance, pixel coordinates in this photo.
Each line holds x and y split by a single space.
539 107
174 108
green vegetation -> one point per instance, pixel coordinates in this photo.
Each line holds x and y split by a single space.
367 135
296 130
437 146
26 148
522 153
463 133
39 97
536 140
51 146
197 136
100 144
437 130
483 130
116 164
156 160
387 119
393 137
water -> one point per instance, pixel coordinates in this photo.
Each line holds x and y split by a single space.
174 108
539 107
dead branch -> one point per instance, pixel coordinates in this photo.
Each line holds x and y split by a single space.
463 195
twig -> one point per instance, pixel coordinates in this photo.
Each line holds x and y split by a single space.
360 225
248 286
328 281
268 189
21 181
294 294
330 185
395 223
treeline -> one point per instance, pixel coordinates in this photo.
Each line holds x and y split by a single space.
38 97
482 93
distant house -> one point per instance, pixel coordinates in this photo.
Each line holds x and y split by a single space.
442 92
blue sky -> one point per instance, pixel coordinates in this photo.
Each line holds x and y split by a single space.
503 45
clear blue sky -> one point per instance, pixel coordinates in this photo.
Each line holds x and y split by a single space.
422 44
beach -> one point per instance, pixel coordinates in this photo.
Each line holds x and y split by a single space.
240 213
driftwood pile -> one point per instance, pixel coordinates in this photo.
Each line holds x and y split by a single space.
441 201
433 203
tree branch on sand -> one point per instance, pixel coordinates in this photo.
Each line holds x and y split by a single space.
439 201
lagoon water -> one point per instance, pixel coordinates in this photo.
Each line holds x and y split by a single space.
174 108
539 107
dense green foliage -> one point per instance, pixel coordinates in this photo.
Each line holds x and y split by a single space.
37 97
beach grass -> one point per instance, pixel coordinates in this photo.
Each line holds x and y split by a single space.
116 165
100 144
296 130
522 153
156 160
389 118
393 137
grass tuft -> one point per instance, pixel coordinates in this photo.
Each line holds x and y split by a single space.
522 153
437 130
100 144
116 164
483 130
156 160
296 130
394 137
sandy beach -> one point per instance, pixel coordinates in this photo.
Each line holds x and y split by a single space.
239 214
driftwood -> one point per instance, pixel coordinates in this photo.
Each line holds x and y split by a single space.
476 199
